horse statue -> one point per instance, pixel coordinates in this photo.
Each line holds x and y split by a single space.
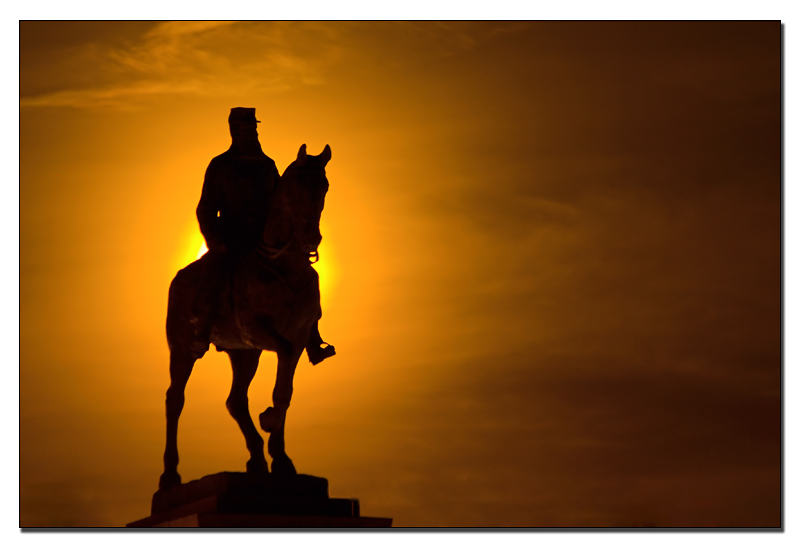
271 304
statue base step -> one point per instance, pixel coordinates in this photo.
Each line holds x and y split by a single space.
245 521
236 499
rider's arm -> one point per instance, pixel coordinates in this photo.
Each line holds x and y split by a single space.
274 177
211 200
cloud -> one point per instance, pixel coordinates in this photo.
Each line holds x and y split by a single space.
112 96
182 28
184 58
452 37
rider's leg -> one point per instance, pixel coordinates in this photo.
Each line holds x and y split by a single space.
316 352
207 300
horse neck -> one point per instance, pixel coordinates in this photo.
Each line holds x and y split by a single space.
278 233
278 226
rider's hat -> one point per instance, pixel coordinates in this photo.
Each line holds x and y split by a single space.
241 114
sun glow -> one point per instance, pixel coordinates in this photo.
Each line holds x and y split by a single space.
326 268
191 247
202 251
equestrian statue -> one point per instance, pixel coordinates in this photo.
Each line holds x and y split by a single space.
254 290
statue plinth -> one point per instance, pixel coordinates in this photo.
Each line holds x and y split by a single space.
237 499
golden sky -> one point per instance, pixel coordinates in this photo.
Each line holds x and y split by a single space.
551 265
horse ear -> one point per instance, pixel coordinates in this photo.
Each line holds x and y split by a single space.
326 155
301 155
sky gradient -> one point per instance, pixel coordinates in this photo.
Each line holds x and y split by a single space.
551 265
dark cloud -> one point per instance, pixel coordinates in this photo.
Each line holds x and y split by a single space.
584 439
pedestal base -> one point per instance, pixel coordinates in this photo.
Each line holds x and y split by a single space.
245 521
239 500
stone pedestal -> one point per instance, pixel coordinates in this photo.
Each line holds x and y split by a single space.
239 500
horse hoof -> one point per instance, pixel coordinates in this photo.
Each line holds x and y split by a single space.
169 480
269 419
257 466
283 466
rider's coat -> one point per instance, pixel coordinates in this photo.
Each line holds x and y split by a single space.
235 199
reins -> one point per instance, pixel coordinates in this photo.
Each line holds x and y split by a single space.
273 253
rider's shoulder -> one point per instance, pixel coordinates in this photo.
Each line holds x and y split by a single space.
227 156
220 159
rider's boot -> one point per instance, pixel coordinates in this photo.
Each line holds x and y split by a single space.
316 352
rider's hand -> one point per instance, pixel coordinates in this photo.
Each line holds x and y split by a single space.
217 247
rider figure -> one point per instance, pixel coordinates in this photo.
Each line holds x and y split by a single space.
232 211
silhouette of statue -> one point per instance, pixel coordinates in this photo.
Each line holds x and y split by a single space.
232 211
264 289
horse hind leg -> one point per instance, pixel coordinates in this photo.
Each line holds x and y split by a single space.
180 368
245 364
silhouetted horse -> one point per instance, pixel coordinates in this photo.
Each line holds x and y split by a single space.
270 304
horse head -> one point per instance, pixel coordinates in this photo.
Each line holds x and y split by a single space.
307 186
303 189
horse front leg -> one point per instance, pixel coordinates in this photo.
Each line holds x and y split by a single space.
180 368
273 419
245 364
